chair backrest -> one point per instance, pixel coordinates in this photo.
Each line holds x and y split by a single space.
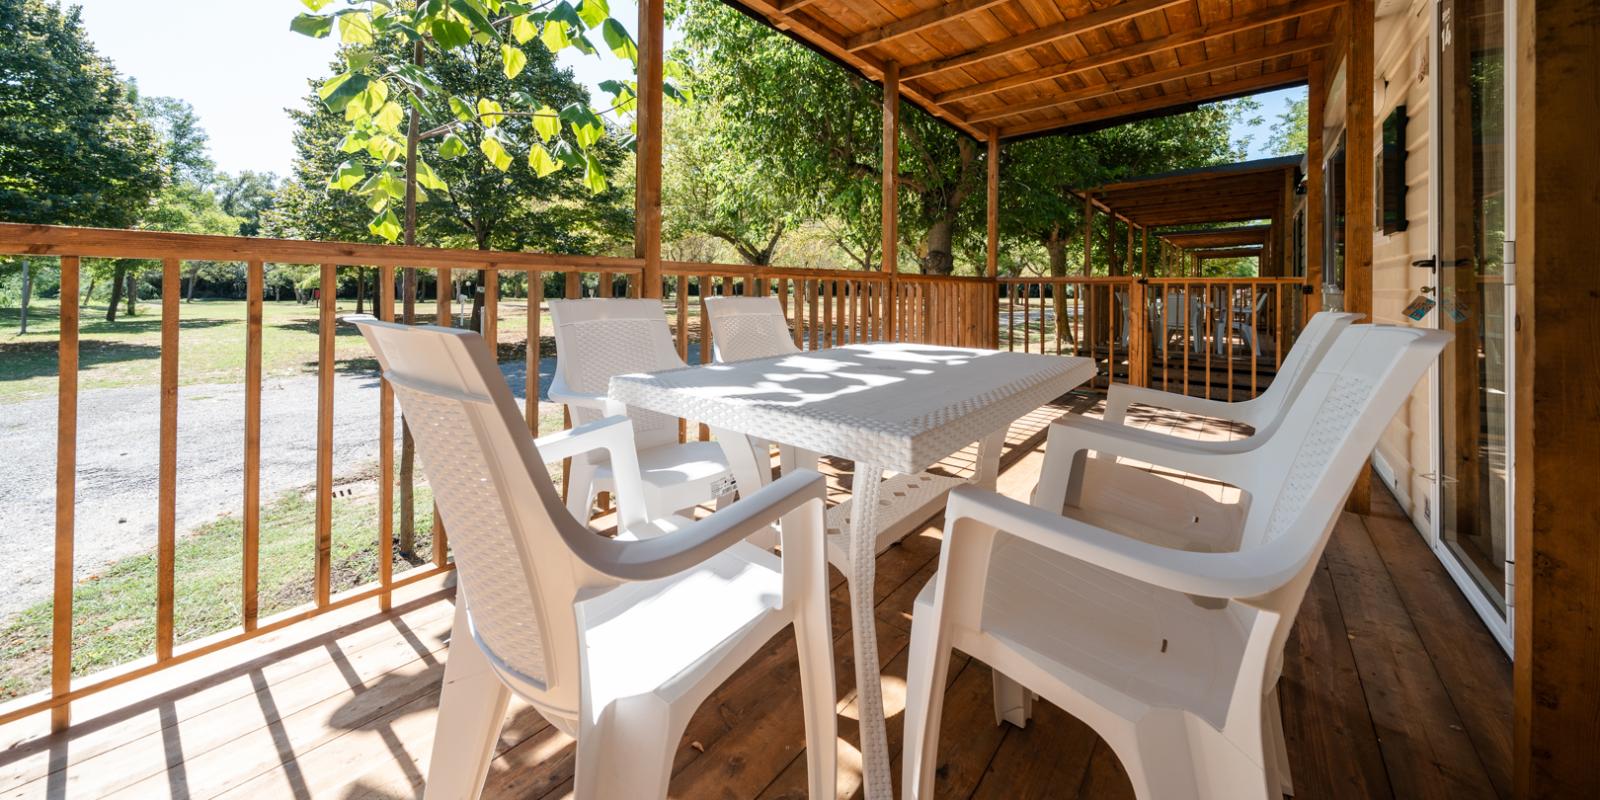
599 338
520 557
745 328
1298 479
1312 345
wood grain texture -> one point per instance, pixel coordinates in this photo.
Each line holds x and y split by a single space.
167 471
66 494
250 518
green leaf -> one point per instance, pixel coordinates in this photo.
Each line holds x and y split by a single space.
490 112
555 36
462 111
315 5
621 44
338 91
523 29
581 41
366 102
348 176
355 28
594 175
386 226
428 178
317 27
449 33
496 153
389 116
539 158
593 12
546 123
452 147
475 14
514 60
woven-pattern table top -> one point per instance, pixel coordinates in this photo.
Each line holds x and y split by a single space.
900 406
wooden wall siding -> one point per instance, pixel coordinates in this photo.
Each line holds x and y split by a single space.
1557 419
1031 66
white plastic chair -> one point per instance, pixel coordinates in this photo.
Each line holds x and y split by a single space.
1102 624
614 641
745 328
1241 321
1258 412
599 338
1172 310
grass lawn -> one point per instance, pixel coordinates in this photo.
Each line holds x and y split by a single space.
211 341
114 610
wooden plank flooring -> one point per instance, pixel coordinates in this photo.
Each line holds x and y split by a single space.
1391 688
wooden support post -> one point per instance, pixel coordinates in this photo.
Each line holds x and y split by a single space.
647 186
1316 97
1358 187
1557 428
255 286
1285 259
66 494
167 469
992 262
1144 252
1088 234
328 291
891 185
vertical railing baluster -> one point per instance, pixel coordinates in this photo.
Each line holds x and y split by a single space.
255 280
167 481
383 302
327 295
443 291
66 496
491 312
530 356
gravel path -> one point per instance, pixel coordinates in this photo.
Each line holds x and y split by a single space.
118 459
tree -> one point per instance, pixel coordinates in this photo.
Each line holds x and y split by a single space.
247 196
72 150
820 128
1288 133
713 188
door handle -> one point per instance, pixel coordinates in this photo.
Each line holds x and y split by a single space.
1427 263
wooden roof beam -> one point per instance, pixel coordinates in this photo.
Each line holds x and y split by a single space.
1266 16
916 23
1155 78
1091 21
1216 91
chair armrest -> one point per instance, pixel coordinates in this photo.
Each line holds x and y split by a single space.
1120 396
615 436
1061 477
663 556
1224 575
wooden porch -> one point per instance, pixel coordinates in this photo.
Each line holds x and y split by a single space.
1391 688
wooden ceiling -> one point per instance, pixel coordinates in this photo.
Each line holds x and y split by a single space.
1212 238
1026 67
1248 190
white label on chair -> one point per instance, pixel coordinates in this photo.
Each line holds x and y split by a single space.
723 485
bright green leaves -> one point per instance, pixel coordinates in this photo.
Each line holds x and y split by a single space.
338 91
386 225
540 160
514 59
594 175
355 28
554 36
427 178
389 116
587 127
523 28
617 38
489 112
317 27
546 123
348 176
595 12
495 151
449 33
315 5
452 147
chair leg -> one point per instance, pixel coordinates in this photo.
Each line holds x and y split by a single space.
1278 753
927 671
628 752
1013 702
580 489
472 709
813 633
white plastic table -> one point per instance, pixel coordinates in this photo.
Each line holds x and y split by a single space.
885 406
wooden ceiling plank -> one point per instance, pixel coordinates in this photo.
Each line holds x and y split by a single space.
1266 81
1072 27
1114 86
1151 47
917 23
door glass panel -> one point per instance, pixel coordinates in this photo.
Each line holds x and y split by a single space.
1471 289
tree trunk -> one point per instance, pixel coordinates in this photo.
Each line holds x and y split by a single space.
87 293
1056 247
132 295
117 273
939 260
27 295
194 278
408 447
361 290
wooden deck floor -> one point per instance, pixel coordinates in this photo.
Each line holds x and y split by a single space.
1391 688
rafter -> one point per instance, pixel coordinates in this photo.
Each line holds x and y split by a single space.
1077 26
1261 18
917 23
1217 91
1129 83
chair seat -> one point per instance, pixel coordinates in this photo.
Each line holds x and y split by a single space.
1131 637
662 636
1134 502
671 465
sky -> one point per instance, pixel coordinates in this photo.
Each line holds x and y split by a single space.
239 65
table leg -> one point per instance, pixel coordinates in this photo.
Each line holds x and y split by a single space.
989 447
876 784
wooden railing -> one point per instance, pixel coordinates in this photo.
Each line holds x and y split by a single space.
827 307
1221 338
